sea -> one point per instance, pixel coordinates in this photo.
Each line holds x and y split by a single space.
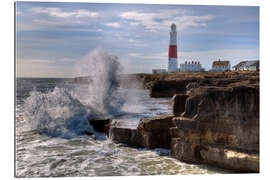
51 118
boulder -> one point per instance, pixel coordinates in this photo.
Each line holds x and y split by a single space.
151 133
155 131
100 125
131 137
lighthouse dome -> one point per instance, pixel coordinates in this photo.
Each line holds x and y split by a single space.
173 27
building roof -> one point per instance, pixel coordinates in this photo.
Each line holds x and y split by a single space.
247 64
220 63
241 64
252 63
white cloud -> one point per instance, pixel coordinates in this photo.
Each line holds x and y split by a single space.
113 24
26 27
134 54
43 68
85 13
61 18
131 40
58 12
163 19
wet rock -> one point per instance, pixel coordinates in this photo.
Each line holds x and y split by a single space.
131 137
151 133
185 151
100 125
178 103
155 131
231 159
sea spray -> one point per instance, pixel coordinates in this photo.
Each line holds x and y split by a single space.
56 113
102 93
65 111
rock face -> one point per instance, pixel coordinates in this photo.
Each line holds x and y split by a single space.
151 133
231 159
155 131
215 121
131 137
169 85
167 88
219 120
178 103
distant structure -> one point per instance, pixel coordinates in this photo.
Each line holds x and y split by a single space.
159 71
172 53
193 66
247 65
220 66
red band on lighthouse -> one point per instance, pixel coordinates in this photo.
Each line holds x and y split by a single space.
172 51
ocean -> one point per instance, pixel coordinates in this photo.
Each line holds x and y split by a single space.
51 116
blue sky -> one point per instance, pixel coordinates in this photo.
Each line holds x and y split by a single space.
52 38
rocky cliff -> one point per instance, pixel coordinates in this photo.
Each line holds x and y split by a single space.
215 121
218 120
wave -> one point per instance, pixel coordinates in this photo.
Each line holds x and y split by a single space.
65 112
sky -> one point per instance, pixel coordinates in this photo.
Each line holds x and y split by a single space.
52 38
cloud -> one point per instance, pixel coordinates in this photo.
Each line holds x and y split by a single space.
26 27
134 55
58 12
44 68
113 24
59 19
163 19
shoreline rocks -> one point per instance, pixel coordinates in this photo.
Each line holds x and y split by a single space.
151 133
220 127
215 121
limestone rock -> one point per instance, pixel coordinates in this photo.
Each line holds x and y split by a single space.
167 88
155 131
178 103
231 159
131 137
151 133
223 117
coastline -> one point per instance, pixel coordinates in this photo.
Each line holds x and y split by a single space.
215 119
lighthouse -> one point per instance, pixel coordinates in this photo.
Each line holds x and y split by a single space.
172 53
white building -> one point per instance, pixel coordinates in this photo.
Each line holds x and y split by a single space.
220 66
159 71
247 65
193 66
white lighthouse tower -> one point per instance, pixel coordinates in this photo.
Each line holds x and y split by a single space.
172 53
